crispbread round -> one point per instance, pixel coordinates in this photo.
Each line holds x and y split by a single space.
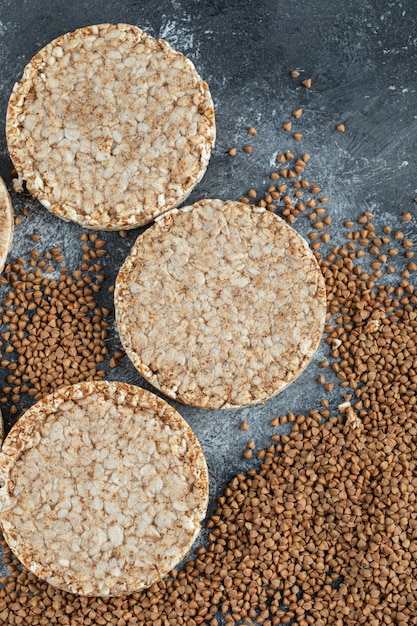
220 305
6 224
105 486
110 127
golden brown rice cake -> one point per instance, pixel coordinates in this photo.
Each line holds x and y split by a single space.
104 488
220 305
110 127
6 224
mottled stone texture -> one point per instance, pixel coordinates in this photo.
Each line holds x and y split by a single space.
362 58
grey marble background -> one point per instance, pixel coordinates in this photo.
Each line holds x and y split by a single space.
362 57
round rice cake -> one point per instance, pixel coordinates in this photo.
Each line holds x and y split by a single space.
6 224
110 127
104 486
220 305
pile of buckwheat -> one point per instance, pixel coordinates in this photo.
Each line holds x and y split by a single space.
52 331
324 529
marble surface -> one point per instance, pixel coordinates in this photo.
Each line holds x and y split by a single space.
362 57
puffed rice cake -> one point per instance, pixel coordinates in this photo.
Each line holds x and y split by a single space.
220 305
6 224
110 127
104 486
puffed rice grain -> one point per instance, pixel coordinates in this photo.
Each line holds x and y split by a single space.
110 127
104 486
220 305
6 224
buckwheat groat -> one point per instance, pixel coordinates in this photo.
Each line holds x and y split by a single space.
110 127
6 224
104 488
220 305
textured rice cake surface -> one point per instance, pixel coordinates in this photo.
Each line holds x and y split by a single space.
220 305
105 486
6 224
110 127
